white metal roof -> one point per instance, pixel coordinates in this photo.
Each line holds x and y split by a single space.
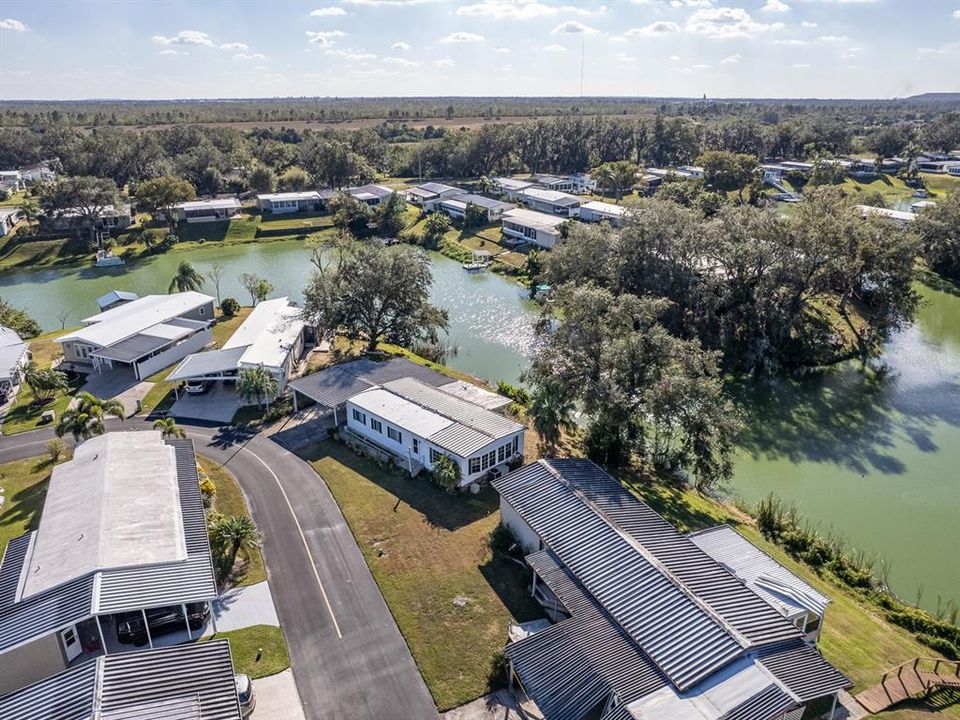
401 412
475 394
268 333
134 317
115 296
551 196
512 184
604 208
901 215
214 203
301 195
13 351
534 219
115 504
762 574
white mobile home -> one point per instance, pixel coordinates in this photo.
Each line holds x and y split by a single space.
550 201
900 217
429 195
417 424
511 187
456 206
522 225
595 211
14 355
290 202
214 210
146 334
111 218
9 217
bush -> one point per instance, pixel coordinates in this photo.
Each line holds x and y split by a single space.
517 394
502 540
208 490
446 473
55 449
230 307
944 647
281 408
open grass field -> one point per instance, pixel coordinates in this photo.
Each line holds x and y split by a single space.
428 551
246 642
24 487
229 500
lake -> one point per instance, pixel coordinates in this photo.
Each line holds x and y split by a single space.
879 460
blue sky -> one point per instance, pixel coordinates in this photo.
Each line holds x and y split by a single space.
724 48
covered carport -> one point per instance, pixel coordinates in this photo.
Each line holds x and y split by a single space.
153 349
213 365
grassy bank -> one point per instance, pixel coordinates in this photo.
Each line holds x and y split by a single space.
428 551
24 484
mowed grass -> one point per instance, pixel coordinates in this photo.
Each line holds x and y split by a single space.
855 638
428 551
246 642
24 484
229 500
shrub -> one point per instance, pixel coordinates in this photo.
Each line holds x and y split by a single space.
446 473
944 647
230 306
501 539
55 449
517 394
281 408
208 490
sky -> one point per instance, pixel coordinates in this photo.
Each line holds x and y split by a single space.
348 48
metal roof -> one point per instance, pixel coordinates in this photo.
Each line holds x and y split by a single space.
762 574
766 705
12 357
802 670
512 183
466 413
115 590
334 385
478 200
213 204
685 641
534 219
298 195
476 395
379 191
429 189
149 341
192 681
746 613
115 296
269 333
554 197
212 362
461 440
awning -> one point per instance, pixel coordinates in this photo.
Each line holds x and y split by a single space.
204 364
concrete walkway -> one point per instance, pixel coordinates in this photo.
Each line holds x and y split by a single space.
499 705
245 606
277 698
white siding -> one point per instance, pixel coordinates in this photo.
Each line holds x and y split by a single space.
524 534
192 344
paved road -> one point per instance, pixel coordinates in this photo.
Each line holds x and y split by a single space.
347 654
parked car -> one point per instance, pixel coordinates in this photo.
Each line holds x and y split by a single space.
161 621
196 387
246 694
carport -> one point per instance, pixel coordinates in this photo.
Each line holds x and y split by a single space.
146 351
210 365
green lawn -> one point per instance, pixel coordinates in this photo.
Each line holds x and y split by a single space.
246 642
428 551
855 638
14 199
229 500
24 484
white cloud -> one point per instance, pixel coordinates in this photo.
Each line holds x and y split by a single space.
350 55
328 12
573 27
691 3
791 42
775 6
942 50
184 37
833 38
800 66
955 15
375 72
655 29
324 38
401 46
808 24
850 53
502 50
235 46
462 37
554 48
403 62
12 24
251 56
675 58
523 10
444 62
171 51
727 22
394 3
732 59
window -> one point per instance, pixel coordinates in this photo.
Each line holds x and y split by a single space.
491 458
359 417
502 453
474 465
394 434
435 455
516 444
416 446
376 425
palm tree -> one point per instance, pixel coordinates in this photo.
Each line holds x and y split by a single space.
551 408
30 209
604 177
168 428
257 384
186 279
85 418
230 533
623 176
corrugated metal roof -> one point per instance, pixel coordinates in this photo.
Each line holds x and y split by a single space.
464 412
461 440
678 634
174 683
334 385
802 670
10 567
766 705
134 348
116 324
764 575
206 363
745 612
478 200
117 590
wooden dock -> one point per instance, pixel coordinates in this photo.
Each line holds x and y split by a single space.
916 678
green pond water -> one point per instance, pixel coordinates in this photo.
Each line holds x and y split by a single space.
876 460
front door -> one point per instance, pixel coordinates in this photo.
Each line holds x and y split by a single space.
71 642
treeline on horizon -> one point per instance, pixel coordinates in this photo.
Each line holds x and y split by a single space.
93 113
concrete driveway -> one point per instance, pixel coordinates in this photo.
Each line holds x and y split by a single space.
277 698
118 384
245 606
216 405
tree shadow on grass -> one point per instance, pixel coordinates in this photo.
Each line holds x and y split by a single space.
670 502
25 506
440 508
